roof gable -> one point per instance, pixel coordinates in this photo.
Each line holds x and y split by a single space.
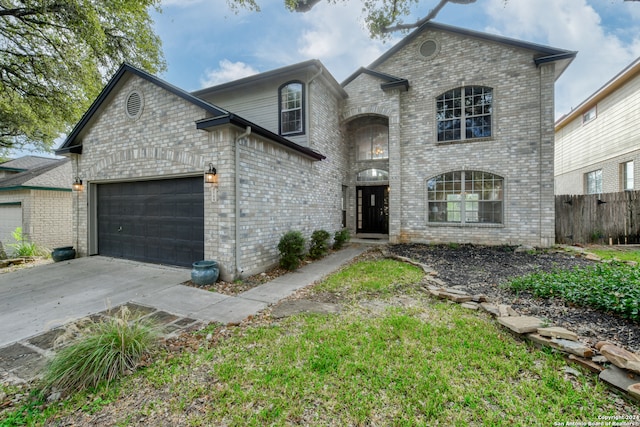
388 81
218 116
70 145
542 54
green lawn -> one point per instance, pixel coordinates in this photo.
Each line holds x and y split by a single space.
393 356
621 253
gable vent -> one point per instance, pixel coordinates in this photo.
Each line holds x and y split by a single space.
134 105
429 48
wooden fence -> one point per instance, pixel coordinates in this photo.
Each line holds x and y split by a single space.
604 218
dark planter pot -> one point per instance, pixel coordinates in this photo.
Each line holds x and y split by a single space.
204 272
63 253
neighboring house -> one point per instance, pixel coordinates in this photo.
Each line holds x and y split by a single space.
22 164
598 143
447 137
35 194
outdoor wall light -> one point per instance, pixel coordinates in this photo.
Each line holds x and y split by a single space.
77 184
211 176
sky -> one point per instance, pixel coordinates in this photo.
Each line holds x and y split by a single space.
206 43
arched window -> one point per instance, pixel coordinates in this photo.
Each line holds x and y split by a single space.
372 142
372 175
464 113
465 197
291 106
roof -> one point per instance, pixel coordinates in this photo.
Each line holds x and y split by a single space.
55 175
73 144
26 162
543 53
624 76
233 119
313 65
389 81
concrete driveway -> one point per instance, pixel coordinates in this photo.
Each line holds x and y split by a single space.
34 300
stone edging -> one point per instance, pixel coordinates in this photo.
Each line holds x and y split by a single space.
614 365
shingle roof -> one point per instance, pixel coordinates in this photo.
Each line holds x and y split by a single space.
53 175
26 163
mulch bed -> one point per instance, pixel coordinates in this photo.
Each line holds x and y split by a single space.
482 270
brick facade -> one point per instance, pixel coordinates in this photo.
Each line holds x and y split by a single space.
266 188
279 189
520 149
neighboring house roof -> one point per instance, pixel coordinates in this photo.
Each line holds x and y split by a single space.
624 76
389 81
73 144
25 163
313 65
544 54
56 175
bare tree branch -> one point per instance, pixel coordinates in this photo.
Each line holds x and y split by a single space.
431 15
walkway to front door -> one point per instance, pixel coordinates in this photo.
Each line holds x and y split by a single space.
373 209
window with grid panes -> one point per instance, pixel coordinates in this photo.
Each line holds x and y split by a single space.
291 109
464 113
465 197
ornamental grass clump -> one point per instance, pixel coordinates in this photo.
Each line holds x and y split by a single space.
106 351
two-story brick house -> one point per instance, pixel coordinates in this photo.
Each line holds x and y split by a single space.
447 137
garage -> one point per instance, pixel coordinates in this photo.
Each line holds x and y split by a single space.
10 219
156 221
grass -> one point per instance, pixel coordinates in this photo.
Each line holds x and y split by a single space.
393 356
610 287
617 252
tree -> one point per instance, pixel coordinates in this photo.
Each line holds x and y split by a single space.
55 56
381 16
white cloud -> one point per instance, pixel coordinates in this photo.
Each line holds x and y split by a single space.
227 72
335 34
572 25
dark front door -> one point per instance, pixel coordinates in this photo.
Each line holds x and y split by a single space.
160 221
373 209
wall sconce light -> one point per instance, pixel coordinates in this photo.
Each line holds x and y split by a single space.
77 184
211 176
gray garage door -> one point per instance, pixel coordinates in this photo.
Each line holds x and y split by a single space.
159 221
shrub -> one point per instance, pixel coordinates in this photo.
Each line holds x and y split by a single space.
22 248
340 238
107 350
292 249
611 287
319 244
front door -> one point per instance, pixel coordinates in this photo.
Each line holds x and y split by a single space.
373 209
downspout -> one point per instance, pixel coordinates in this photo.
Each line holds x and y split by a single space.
246 133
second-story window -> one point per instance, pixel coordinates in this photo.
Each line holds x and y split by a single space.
372 142
464 113
291 109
